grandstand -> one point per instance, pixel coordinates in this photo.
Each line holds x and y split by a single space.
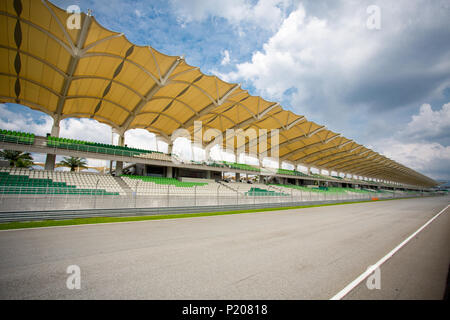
169 95
25 181
28 190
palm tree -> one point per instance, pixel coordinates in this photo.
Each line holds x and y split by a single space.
74 163
17 158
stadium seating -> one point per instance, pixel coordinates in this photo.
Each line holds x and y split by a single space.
241 166
263 192
291 172
153 155
41 182
215 164
169 186
16 137
244 188
327 190
167 181
25 181
71 144
319 176
78 145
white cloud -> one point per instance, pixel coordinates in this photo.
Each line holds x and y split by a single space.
140 138
265 14
304 49
11 120
86 130
412 146
226 58
327 65
431 159
429 124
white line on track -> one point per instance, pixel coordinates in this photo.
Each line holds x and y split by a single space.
372 268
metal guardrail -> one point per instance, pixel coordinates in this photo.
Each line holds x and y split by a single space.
28 198
51 191
126 212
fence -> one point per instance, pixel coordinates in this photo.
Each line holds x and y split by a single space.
48 198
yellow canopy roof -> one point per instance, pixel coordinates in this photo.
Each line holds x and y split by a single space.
97 73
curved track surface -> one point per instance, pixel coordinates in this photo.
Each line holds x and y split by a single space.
294 254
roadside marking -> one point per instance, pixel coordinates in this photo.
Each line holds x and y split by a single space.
372 268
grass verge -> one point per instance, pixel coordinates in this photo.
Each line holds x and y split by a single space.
81 221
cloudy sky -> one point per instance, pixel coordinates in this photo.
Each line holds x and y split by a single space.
385 85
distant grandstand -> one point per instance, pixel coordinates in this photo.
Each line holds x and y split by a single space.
96 73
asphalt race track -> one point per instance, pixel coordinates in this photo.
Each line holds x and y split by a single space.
293 254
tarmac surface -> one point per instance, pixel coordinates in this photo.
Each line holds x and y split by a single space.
308 253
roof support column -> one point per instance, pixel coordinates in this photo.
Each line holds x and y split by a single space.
50 162
119 164
55 128
51 158
169 142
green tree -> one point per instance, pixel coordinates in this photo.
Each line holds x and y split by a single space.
17 158
74 163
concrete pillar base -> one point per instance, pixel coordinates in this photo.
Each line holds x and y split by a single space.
169 172
119 168
51 158
50 162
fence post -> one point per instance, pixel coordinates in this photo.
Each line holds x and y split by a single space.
79 199
53 195
218 187
95 194
168 195
136 193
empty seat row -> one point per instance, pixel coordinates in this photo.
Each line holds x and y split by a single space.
166 181
241 166
16 137
291 172
72 144
58 182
